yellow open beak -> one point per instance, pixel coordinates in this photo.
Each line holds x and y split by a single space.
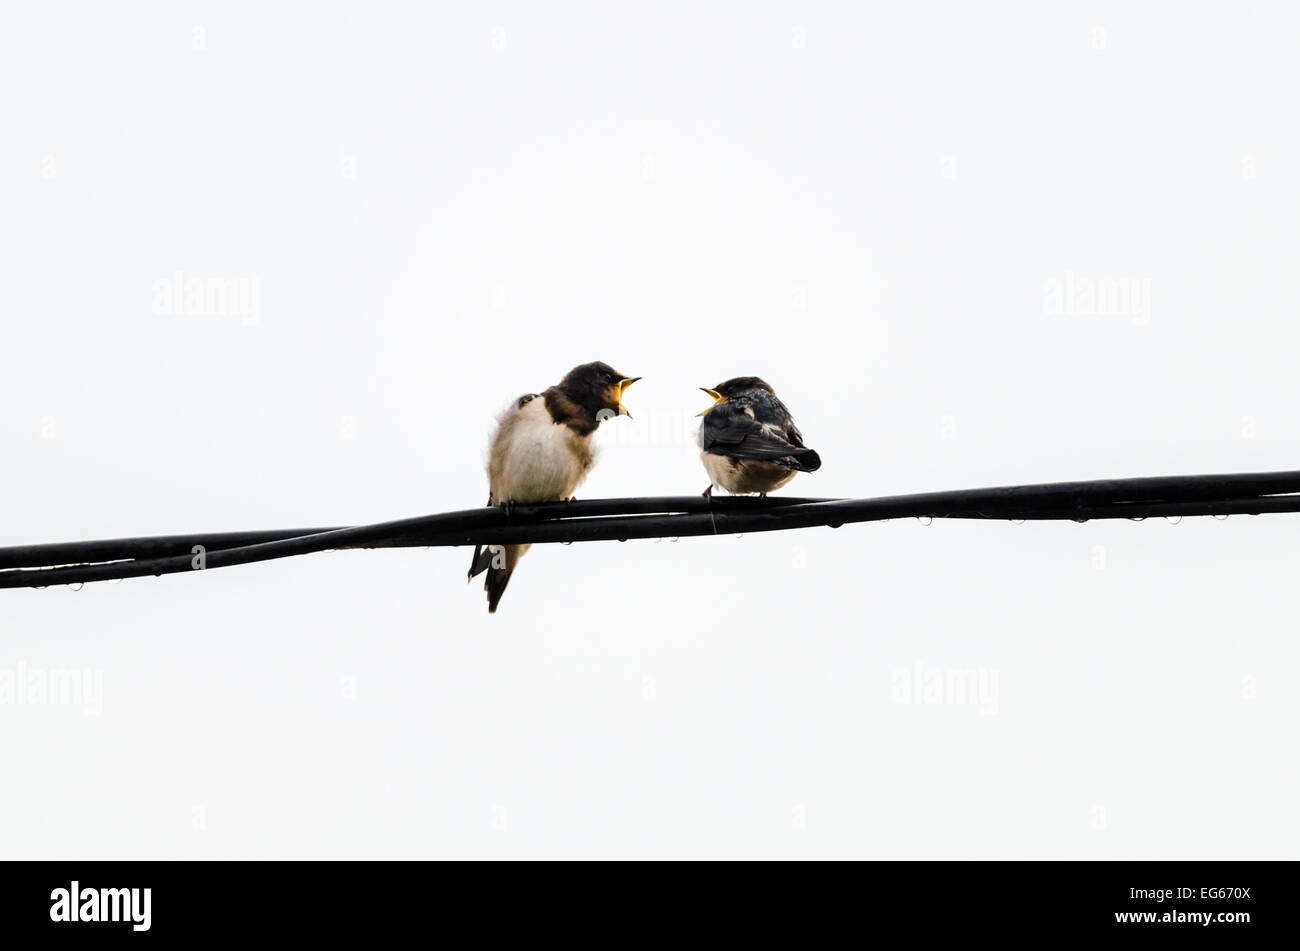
717 398
623 385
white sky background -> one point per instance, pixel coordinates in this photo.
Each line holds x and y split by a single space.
443 210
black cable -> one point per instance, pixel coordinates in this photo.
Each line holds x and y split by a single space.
604 519
117 549
1067 497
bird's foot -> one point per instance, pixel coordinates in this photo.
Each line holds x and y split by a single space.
708 493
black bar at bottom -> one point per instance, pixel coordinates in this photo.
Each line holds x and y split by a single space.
378 901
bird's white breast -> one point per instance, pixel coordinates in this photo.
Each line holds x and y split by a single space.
534 459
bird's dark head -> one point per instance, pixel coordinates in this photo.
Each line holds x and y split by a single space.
737 385
597 387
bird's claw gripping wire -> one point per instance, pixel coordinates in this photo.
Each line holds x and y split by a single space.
708 495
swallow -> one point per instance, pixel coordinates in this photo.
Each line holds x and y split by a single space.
748 440
541 451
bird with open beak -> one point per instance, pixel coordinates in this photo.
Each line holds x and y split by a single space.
541 451
748 439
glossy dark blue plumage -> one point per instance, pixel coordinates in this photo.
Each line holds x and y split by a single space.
749 441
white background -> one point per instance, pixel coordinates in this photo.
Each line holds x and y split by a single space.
443 207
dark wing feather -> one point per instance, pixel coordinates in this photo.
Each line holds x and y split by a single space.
482 554
481 561
728 430
495 586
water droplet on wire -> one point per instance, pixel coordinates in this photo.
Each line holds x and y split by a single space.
78 586
1173 519
925 519
1221 518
